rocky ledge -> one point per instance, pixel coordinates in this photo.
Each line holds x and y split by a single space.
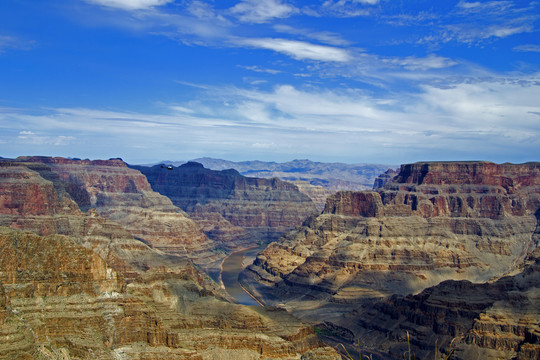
225 202
76 285
117 192
60 300
473 221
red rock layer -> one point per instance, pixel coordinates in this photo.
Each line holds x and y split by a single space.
123 195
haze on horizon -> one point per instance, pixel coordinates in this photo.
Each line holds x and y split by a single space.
355 81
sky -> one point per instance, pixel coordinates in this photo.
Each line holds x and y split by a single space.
354 81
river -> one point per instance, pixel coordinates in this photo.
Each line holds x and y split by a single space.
231 267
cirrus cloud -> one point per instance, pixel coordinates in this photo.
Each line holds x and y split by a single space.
261 11
130 4
299 50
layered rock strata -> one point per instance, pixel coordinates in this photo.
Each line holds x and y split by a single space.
96 292
384 178
124 195
59 299
498 320
264 208
435 221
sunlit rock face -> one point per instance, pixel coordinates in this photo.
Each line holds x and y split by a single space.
124 195
435 221
468 222
75 284
263 208
59 299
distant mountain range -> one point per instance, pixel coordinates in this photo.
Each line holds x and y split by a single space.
333 176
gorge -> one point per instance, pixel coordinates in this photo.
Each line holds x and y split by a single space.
126 261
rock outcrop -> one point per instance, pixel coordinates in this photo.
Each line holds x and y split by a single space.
124 195
263 208
59 299
470 221
79 285
498 320
384 178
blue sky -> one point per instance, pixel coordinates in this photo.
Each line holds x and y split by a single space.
381 81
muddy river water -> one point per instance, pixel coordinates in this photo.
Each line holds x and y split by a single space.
230 269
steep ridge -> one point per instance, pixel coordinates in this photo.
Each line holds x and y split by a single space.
96 292
124 195
233 209
317 180
470 221
59 299
332 176
498 320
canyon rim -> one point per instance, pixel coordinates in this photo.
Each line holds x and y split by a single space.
104 260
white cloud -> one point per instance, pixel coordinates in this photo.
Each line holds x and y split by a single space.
494 119
326 37
528 48
258 69
32 138
12 42
414 63
130 4
299 50
348 8
261 11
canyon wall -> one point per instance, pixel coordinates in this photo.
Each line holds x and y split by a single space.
124 196
227 203
473 221
75 284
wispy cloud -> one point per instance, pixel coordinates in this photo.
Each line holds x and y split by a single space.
35 139
261 11
413 63
299 50
258 69
493 119
12 42
326 37
347 8
528 48
130 4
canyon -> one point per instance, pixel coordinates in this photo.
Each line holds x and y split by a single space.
94 264
100 259
233 210
433 222
317 180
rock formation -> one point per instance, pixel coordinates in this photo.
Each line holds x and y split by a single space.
124 195
497 320
384 178
80 286
263 208
59 299
470 221
317 180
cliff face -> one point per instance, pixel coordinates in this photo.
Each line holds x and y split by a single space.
124 195
264 208
59 299
498 320
433 222
97 292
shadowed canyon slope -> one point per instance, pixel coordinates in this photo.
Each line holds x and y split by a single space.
123 195
232 209
497 320
316 179
472 221
75 284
